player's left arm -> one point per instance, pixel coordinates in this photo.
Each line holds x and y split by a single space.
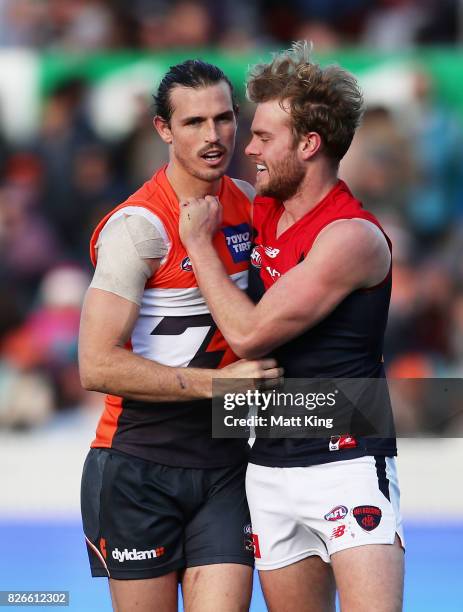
347 255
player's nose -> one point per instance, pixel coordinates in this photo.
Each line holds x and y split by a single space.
251 149
212 134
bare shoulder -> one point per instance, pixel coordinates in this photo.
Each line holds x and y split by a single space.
353 249
359 236
246 188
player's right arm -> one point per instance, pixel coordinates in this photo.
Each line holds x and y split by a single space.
109 314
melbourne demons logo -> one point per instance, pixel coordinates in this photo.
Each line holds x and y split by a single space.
256 257
368 517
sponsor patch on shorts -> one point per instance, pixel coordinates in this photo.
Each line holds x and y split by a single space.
255 545
336 514
137 555
338 532
368 517
248 543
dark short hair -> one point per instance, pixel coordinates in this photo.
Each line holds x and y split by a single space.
191 73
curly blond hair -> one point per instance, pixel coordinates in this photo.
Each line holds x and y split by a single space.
323 100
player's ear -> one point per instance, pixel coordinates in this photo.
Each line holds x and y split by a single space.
163 129
309 144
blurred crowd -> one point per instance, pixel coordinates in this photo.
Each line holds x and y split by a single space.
73 25
405 164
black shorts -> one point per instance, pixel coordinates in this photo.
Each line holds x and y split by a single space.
143 520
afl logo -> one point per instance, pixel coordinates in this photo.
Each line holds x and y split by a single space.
186 265
256 257
336 514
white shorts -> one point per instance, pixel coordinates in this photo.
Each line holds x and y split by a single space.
319 510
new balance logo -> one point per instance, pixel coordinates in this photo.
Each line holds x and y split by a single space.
271 252
338 532
136 555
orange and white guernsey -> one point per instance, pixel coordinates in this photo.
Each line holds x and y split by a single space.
175 328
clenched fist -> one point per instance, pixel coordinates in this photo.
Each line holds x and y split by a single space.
200 218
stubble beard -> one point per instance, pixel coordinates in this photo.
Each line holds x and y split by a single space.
285 180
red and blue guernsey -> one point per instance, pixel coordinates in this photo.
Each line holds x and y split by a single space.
347 344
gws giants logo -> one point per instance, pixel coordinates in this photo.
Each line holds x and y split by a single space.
186 265
137 555
103 547
336 514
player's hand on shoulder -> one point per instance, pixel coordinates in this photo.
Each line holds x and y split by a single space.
200 218
264 373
